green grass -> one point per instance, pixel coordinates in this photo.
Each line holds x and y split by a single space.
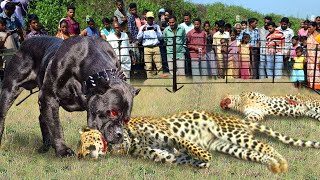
19 158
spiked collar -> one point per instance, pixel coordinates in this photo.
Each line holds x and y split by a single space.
107 74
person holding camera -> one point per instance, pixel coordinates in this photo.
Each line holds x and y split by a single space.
150 35
12 22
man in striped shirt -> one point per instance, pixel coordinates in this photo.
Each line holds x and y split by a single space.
275 42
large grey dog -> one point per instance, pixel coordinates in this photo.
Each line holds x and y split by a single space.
80 73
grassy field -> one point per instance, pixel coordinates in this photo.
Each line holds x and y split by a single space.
19 158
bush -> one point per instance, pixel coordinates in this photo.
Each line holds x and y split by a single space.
51 11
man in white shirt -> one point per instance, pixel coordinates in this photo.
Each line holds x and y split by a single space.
150 34
288 34
120 44
188 26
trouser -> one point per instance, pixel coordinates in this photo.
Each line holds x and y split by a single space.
180 65
199 68
220 63
212 63
274 64
255 62
187 62
163 52
263 66
152 55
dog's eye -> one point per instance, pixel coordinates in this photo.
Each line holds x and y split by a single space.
113 113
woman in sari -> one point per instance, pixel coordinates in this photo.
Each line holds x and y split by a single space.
313 75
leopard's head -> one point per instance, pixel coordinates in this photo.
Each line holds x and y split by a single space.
92 143
229 102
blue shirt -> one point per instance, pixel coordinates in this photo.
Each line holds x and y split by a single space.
12 22
106 32
254 36
150 37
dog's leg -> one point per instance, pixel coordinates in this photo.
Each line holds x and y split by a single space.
49 110
17 73
7 97
45 135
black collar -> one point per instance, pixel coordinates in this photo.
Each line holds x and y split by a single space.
107 74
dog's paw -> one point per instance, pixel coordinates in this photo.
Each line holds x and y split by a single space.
67 152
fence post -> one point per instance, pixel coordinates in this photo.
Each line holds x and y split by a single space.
227 61
315 66
119 49
174 70
274 61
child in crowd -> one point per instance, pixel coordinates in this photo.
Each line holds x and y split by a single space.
292 51
107 28
63 31
224 52
91 30
6 42
303 43
134 51
137 66
244 52
244 25
34 28
233 58
297 75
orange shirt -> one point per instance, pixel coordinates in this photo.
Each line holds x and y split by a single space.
138 22
318 38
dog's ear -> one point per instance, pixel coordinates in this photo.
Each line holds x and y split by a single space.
135 91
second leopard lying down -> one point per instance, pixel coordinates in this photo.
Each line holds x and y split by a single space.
190 137
255 106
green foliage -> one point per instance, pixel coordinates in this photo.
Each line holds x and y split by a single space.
51 11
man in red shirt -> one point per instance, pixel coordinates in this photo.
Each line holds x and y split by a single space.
73 25
196 43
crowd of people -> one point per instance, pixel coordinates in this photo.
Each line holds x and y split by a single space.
155 42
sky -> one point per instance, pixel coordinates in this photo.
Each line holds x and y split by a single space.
295 8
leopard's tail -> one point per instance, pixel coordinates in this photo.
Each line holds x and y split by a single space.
283 138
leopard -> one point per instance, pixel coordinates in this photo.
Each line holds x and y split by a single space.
256 106
92 143
191 137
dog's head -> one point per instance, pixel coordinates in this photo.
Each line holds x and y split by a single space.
109 107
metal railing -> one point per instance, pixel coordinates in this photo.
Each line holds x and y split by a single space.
227 78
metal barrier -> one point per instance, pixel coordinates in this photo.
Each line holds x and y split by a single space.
176 81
